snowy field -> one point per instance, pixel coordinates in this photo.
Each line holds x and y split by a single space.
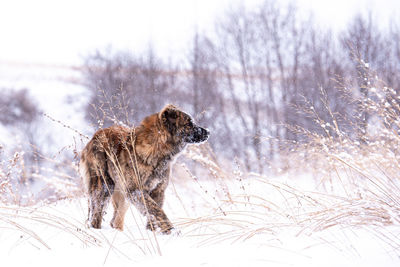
222 219
220 233
338 210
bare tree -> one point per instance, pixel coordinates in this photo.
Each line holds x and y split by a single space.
203 94
241 64
125 88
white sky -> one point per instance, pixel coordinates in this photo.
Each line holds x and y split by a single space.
55 31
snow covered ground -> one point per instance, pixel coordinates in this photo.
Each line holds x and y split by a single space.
235 221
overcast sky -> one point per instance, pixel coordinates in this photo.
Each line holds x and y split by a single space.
52 31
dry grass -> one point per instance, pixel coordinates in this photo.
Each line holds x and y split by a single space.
347 196
21 219
51 180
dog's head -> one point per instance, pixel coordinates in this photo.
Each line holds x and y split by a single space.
181 126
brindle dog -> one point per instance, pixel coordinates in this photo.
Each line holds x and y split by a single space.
134 164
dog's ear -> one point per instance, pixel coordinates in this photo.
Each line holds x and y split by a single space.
168 116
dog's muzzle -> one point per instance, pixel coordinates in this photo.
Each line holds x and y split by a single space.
198 135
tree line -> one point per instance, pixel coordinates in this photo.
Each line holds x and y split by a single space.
262 75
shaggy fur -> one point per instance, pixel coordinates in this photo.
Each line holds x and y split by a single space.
134 164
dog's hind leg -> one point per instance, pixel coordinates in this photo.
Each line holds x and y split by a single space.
99 196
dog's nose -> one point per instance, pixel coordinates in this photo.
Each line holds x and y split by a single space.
206 132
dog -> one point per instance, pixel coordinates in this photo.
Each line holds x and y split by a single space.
121 163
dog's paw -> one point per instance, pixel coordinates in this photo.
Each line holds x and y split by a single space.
175 232
117 226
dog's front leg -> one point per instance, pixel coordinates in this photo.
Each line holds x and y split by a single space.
154 213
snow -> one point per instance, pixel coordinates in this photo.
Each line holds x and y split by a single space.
213 231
